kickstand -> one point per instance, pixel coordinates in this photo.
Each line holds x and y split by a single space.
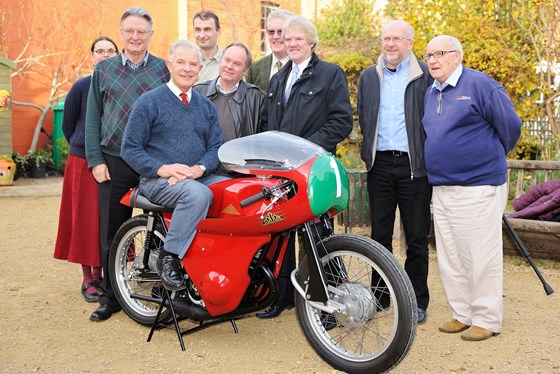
174 315
234 325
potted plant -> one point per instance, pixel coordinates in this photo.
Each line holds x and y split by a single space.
4 99
7 170
37 162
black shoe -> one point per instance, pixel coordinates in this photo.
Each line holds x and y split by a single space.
422 315
273 311
328 321
103 312
169 269
89 297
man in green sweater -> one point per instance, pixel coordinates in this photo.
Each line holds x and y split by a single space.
116 84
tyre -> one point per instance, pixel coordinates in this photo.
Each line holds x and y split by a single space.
377 327
138 288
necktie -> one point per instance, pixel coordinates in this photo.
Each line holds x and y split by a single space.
278 66
184 97
293 78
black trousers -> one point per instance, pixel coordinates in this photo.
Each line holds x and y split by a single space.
112 214
390 185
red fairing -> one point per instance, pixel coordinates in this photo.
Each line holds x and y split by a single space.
218 259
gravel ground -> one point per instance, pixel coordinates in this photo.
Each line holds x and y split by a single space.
45 322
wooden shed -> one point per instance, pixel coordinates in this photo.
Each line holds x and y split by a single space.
6 67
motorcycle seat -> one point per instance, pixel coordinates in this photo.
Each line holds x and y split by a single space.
137 200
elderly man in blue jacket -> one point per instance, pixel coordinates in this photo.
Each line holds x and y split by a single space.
470 125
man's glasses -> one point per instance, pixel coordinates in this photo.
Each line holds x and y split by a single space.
130 32
436 54
272 32
105 51
394 39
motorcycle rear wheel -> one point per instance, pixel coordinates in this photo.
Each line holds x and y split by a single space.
130 278
368 338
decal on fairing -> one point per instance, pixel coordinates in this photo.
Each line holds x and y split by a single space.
271 218
230 209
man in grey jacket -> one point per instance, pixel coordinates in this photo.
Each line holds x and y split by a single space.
390 110
239 104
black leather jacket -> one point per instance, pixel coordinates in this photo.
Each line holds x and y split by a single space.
246 106
369 97
319 107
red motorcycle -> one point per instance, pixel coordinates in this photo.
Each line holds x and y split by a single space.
292 187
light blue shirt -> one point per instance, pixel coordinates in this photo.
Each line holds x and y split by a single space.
391 134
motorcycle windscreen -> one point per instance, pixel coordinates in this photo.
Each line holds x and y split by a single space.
270 150
328 185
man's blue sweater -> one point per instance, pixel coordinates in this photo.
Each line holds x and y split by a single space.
163 130
466 142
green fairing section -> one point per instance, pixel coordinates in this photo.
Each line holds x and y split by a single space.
328 185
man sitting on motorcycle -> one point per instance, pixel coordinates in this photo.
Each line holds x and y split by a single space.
172 140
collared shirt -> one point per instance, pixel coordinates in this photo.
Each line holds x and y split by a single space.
301 67
210 67
273 69
451 80
177 91
392 134
223 90
126 60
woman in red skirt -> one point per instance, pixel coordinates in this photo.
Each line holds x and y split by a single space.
78 224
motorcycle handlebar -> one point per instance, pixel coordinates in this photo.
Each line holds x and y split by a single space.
252 199
266 193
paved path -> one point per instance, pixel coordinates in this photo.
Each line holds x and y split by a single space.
49 186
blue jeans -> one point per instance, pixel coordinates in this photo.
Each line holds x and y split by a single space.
190 200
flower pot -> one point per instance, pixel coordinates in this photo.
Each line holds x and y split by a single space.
37 172
7 172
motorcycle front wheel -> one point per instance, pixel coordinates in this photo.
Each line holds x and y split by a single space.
137 286
377 326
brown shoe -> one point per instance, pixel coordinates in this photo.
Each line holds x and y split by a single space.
476 334
453 326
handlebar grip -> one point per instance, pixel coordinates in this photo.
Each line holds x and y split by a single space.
252 199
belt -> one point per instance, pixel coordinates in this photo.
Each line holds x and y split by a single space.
394 153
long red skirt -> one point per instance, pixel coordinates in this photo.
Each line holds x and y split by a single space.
78 224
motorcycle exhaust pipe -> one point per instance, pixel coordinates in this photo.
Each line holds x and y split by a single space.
188 310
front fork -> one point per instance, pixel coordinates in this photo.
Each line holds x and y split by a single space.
312 283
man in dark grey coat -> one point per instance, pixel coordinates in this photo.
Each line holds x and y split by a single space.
308 98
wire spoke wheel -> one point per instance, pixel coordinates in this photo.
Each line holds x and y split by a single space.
134 283
377 325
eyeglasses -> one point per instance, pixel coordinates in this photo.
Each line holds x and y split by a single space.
105 51
394 39
436 54
130 32
272 32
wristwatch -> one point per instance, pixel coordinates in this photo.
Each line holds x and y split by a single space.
203 168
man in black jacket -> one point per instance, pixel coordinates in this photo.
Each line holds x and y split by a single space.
390 110
308 98
239 104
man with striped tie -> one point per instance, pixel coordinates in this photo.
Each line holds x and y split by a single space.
261 71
